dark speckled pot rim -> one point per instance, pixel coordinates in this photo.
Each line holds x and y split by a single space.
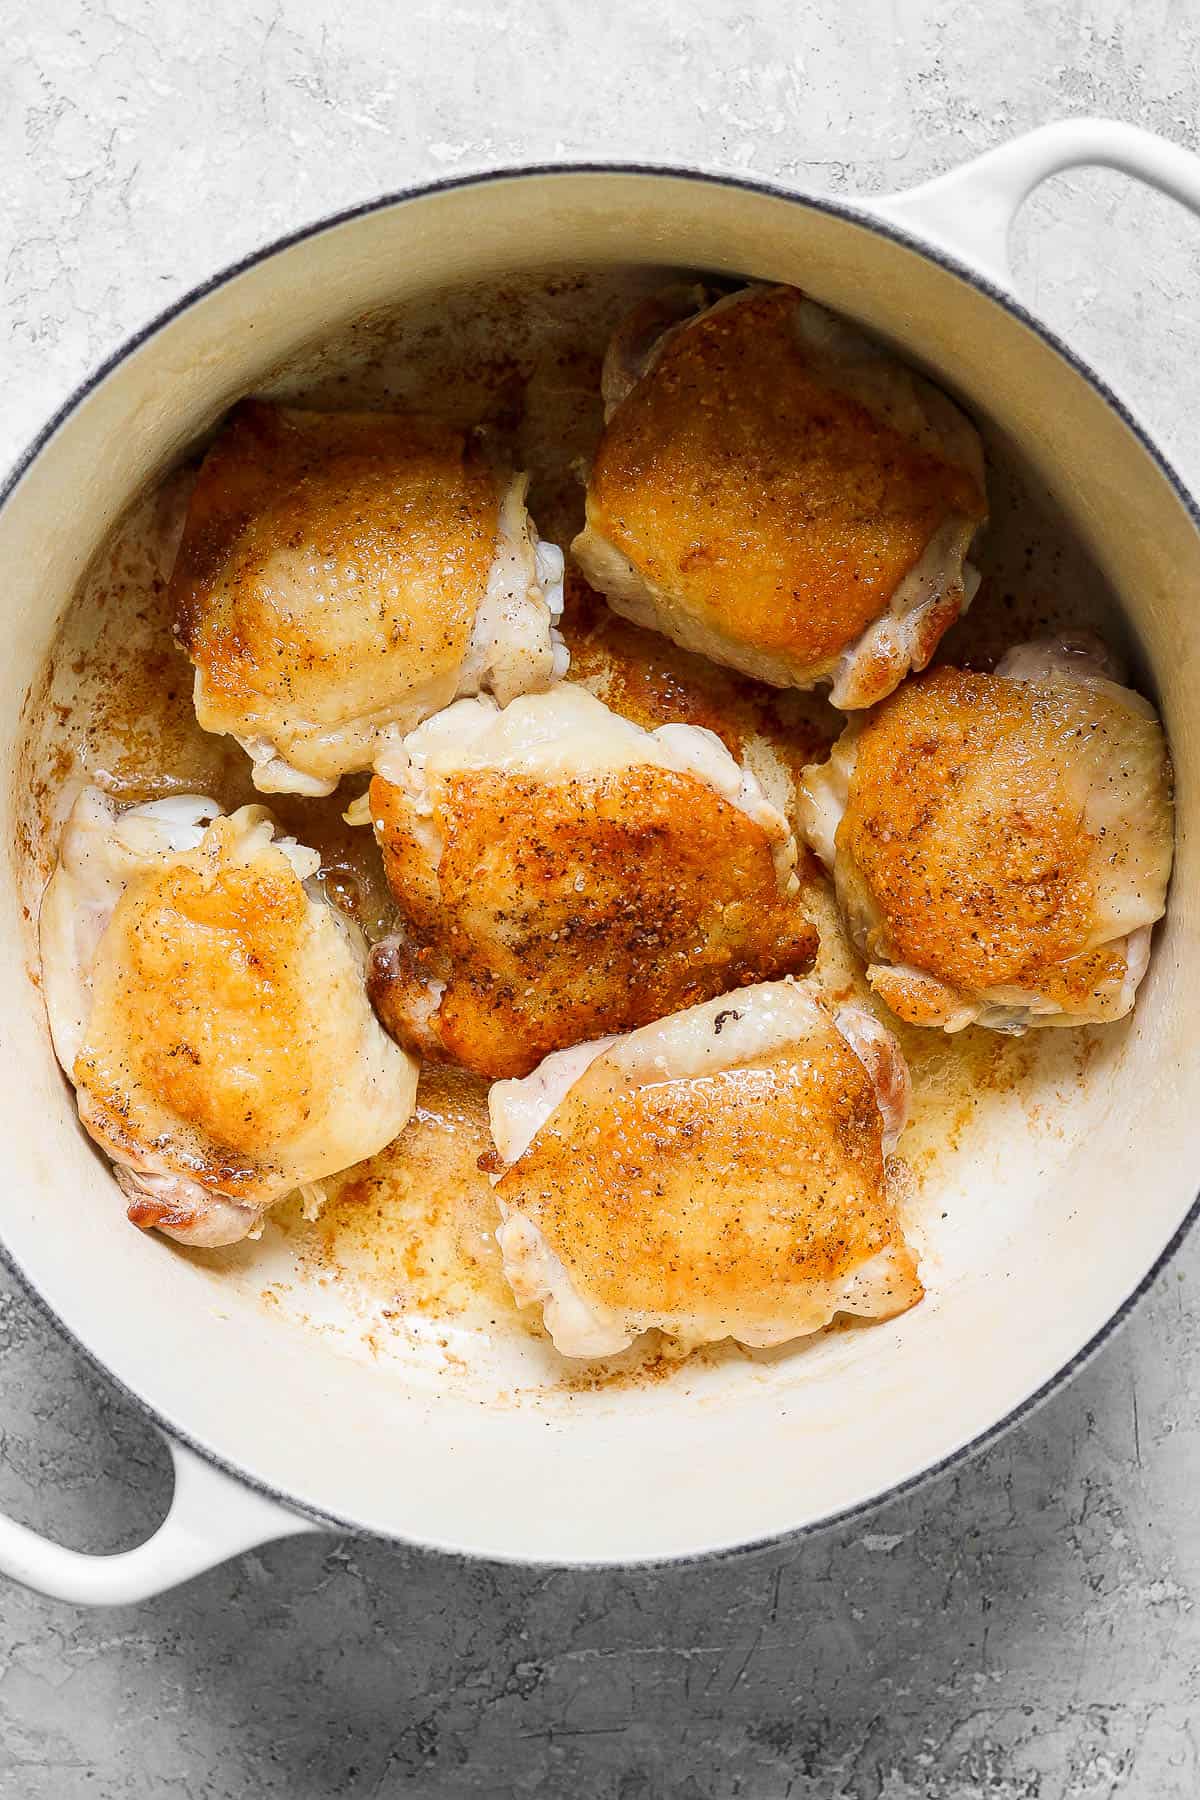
853 214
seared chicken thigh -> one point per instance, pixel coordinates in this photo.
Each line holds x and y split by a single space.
344 575
562 872
777 492
720 1173
1001 844
210 1010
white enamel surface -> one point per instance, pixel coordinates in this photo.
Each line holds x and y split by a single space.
1049 1232
969 211
211 1518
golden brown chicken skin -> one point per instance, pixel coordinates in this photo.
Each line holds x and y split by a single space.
333 571
241 1071
720 1173
647 678
211 1014
564 899
1002 846
761 497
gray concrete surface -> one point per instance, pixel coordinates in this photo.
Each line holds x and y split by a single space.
1024 1629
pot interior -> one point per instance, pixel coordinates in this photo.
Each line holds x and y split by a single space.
372 1367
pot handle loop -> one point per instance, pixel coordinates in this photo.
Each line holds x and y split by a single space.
970 211
211 1518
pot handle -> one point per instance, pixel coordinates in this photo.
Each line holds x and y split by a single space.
211 1518
970 211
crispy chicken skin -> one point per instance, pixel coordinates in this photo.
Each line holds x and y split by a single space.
344 575
773 732
720 1173
1001 844
778 493
562 873
211 1014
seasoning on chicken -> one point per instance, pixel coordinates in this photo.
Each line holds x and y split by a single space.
209 1007
774 490
343 576
562 872
720 1173
1001 844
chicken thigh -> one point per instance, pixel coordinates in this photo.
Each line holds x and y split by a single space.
209 1008
562 872
721 1173
342 576
1001 844
777 492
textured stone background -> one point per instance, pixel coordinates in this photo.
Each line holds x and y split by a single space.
1025 1628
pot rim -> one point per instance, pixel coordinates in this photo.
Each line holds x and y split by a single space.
853 212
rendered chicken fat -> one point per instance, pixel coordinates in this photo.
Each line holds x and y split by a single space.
209 1009
718 1173
776 492
342 576
563 872
1001 844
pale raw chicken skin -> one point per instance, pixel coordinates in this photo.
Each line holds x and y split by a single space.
775 491
562 872
208 1006
1001 844
719 1173
343 576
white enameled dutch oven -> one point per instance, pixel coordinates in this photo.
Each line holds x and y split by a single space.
272 1432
